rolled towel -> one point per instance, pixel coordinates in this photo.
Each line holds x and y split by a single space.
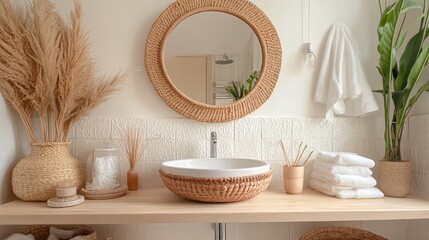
372 192
61 233
344 180
17 236
332 168
345 159
53 237
327 188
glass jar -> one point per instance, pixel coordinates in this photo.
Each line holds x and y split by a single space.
103 170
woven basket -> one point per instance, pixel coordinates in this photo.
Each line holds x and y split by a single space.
232 189
340 233
41 232
35 177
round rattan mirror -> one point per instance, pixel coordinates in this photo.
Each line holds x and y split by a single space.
185 105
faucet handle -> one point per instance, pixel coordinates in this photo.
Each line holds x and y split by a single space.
213 136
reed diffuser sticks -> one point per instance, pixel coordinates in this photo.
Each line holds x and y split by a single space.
297 159
134 150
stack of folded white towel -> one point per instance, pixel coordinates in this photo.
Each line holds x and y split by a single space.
55 234
344 175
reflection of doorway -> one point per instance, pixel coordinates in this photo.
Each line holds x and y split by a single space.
191 75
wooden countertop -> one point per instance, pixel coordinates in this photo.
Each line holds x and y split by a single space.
158 205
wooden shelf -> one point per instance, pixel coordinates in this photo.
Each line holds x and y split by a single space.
158 205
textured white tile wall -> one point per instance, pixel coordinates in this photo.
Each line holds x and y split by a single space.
419 138
167 139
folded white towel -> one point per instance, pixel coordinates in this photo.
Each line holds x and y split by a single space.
372 192
332 168
342 84
327 188
344 192
344 180
53 237
17 236
345 159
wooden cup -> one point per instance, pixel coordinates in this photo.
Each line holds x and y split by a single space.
293 178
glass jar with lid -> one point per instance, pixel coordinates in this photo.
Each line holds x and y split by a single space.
103 170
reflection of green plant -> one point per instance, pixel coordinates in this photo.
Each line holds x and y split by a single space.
239 90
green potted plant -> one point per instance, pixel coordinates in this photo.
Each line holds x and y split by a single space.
403 57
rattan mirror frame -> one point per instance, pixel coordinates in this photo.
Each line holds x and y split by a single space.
271 59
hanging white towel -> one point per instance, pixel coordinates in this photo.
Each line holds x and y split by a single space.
342 84
344 158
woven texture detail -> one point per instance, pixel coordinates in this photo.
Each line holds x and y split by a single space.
394 178
271 60
340 233
41 232
35 177
232 189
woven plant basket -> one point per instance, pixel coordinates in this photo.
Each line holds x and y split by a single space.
41 232
232 189
35 177
340 233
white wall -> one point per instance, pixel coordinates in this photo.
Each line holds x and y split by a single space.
10 154
119 30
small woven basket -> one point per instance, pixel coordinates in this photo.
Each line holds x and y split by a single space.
340 233
41 232
232 189
35 177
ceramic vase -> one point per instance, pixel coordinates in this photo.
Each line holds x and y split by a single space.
394 178
36 177
293 179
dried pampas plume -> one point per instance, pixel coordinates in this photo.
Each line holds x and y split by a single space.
46 68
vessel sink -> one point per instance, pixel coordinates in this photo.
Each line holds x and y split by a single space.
216 179
215 167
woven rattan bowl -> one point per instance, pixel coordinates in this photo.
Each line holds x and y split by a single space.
340 233
226 189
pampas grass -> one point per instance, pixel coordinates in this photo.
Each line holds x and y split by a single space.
46 70
133 146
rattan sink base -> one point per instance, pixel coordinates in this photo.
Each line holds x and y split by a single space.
229 189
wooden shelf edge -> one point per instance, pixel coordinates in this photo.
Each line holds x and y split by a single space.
158 205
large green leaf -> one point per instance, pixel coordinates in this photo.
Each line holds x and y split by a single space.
408 58
386 47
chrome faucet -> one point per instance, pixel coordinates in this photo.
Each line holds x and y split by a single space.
213 145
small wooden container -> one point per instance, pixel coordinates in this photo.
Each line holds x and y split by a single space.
132 180
293 178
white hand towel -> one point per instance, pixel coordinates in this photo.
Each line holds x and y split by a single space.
17 236
327 188
361 193
53 237
342 84
61 233
344 180
345 159
332 168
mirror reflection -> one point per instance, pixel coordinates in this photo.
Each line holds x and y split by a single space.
213 58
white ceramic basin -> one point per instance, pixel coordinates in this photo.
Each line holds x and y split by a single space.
215 167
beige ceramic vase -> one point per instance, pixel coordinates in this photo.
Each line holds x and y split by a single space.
35 177
394 178
293 179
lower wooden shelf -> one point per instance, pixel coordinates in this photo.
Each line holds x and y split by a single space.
158 205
